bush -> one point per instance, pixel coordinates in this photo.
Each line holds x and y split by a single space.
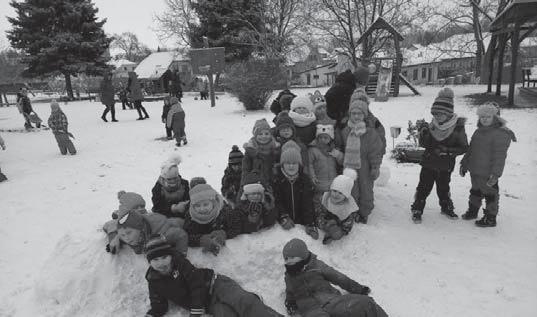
253 81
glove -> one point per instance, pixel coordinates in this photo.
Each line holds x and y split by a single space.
287 223
180 207
493 180
219 236
312 231
365 290
375 172
291 306
335 153
462 170
114 245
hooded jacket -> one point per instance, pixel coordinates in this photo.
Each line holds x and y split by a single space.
294 198
162 204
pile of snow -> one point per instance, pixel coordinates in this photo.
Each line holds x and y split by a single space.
52 208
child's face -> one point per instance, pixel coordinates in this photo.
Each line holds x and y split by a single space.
254 197
263 137
440 117
301 110
324 139
172 182
130 236
204 207
286 132
236 167
486 119
356 116
162 264
291 168
336 196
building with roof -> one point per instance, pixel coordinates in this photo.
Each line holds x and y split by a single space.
122 67
155 69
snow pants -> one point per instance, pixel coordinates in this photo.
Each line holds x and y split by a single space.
140 109
229 299
65 144
110 108
178 126
481 190
428 177
349 305
362 191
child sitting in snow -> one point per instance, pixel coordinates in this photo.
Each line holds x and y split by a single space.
175 120
209 221
485 160
256 206
58 124
339 209
171 277
293 192
165 110
170 193
231 181
132 225
303 118
309 290
444 139
3 147
363 154
260 153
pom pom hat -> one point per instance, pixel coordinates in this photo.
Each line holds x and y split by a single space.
235 156
170 168
295 248
443 102
343 184
291 153
488 108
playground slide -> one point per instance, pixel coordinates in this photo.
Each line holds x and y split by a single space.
409 85
383 83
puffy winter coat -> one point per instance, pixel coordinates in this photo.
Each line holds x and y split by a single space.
488 149
231 184
57 122
186 286
256 161
134 88
312 287
107 92
294 199
163 201
267 218
371 148
306 134
322 166
454 145
227 220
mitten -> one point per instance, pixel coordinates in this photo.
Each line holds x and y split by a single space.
219 236
206 242
462 171
333 230
493 179
180 207
114 245
365 290
312 231
291 306
286 222
375 172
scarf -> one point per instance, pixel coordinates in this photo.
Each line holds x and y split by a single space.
443 131
218 203
291 178
342 211
352 149
264 149
294 269
175 108
302 120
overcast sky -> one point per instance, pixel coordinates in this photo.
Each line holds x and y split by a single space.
122 15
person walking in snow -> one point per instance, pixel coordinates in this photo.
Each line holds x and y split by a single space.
170 194
135 93
231 181
165 110
309 290
172 278
59 126
443 139
27 110
485 160
132 225
3 147
176 121
108 94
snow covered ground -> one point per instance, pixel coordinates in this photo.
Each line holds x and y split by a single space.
53 258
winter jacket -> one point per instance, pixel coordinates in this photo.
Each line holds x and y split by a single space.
162 204
231 184
371 148
267 219
26 105
165 110
134 88
170 228
440 155
107 92
227 220
57 122
294 199
311 288
322 166
186 286
488 149
260 162
306 134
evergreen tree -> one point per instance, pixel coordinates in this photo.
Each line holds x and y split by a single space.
59 36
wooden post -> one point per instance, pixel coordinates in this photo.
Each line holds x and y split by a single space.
398 64
492 52
515 43
503 42
211 88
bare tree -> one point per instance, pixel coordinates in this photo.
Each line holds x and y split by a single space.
133 49
176 22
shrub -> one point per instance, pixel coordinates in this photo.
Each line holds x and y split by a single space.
253 81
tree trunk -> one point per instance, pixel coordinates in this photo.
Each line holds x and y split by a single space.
491 55
478 34
68 85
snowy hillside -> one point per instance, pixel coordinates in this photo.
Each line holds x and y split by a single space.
53 258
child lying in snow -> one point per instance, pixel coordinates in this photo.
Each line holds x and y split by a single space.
132 225
170 193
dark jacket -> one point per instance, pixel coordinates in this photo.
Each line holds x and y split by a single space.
261 163
165 110
440 155
107 92
294 199
187 286
162 205
267 219
312 287
278 105
231 184
227 220
134 88
306 134
26 105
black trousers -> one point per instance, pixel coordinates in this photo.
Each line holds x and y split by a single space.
429 177
110 108
140 109
125 102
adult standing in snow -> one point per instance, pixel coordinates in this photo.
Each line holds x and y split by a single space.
108 96
3 147
135 92
485 160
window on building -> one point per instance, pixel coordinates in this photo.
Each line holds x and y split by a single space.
415 74
423 72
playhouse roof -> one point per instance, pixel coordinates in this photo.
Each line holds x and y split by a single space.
154 65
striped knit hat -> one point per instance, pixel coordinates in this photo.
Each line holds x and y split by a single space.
291 153
443 102
235 156
157 246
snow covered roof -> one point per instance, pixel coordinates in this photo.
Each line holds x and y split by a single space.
121 62
154 65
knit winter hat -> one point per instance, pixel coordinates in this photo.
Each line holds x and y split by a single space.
302 102
235 156
157 246
362 75
196 181
325 129
343 184
489 108
129 201
54 106
252 184
284 121
296 248
357 103
132 219
170 168
202 192
443 102
291 153
260 125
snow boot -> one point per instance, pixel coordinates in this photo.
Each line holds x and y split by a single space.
417 210
185 142
2 177
447 209
471 213
486 221
104 118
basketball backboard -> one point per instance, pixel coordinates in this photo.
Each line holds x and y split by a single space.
205 60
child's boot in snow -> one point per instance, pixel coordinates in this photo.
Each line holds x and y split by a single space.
185 142
487 220
2 177
417 210
471 213
447 209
